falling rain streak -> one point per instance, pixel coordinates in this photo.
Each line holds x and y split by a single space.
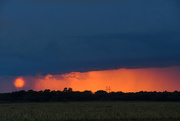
126 80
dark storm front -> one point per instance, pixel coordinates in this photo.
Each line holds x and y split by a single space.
51 44
52 37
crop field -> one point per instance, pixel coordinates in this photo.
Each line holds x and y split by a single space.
90 111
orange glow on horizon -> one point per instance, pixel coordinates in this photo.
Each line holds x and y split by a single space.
19 82
126 80
53 82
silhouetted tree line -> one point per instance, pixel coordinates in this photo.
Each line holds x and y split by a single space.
69 95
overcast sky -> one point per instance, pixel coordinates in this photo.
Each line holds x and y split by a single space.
59 36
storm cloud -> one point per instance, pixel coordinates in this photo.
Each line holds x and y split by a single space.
54 37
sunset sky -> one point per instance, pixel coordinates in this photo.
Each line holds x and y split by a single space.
129 45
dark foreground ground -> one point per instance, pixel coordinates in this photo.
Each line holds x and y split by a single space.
91 111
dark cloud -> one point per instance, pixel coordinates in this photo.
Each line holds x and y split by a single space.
54 37
97 52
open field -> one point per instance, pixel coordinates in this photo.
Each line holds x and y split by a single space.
91 111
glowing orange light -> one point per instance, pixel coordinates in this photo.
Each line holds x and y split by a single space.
19 82
126 80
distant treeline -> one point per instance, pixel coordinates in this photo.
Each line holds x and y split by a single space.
69 95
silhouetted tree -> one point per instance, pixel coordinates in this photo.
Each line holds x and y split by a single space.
69 95
69 90
65 89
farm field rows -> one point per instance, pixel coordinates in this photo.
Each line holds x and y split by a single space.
90 111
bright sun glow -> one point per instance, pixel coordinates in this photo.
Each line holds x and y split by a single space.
126 80
19 82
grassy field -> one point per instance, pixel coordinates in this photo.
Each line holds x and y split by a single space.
91 111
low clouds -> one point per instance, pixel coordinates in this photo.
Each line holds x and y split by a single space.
96 52
56 37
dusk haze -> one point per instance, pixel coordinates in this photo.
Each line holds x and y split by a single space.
111 45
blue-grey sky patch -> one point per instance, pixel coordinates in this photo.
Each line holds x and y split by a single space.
64 36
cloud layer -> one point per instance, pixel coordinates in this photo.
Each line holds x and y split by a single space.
45 37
